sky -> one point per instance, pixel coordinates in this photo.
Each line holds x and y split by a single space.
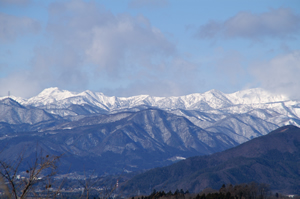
153 47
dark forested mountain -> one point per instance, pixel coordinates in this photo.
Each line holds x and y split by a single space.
273 159
116 142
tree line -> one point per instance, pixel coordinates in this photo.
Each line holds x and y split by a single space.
251 190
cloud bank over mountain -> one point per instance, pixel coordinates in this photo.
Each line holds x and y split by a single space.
144 47
280 74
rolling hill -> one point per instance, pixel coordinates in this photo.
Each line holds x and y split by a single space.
273 159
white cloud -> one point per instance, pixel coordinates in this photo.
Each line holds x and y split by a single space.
280 74
229 67
279 23
87 44
104 39
12 27
127 43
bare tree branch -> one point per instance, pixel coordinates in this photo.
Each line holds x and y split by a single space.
43 167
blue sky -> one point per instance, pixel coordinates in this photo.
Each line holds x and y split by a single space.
155 47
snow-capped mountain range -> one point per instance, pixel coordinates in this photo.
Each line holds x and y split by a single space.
246 114
152 131
207 101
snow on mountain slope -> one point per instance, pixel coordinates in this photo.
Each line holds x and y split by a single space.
254 111
62 103
13 113
143 126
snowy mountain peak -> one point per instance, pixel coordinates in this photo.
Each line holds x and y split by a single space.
49 90
214 92
239 112
55 92
210 100
49 96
